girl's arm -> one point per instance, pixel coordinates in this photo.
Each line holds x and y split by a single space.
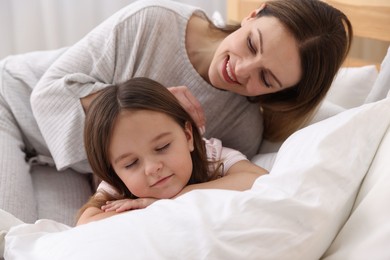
93 214
240 176
92 210
102 206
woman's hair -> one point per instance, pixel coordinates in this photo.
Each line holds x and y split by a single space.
134 94
324 37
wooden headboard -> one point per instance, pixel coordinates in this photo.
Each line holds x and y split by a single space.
370 20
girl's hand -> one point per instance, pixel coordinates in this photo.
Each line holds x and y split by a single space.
127 204
191 104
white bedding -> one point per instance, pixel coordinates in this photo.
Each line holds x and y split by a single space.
366 234
304 209
295 212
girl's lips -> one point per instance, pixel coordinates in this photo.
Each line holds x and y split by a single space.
162 181
228 73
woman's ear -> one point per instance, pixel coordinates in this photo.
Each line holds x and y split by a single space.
252 15
189 135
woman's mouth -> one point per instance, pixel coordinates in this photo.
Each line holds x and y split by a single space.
228 73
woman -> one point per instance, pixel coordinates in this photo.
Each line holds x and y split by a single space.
144 146
282 59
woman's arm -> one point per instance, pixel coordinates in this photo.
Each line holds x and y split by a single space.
85 68
240 176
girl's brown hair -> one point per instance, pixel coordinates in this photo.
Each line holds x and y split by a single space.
134 94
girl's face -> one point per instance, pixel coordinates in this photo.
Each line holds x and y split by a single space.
150 152
259 58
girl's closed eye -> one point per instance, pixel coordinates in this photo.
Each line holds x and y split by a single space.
163 148
131 164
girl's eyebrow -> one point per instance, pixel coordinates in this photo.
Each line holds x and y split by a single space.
121 157
261 51
156 138
160 136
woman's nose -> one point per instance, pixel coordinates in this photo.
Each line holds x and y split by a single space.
246 67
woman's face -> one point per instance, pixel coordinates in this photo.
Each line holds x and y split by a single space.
259 58
150 152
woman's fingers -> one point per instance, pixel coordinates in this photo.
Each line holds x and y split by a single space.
191 104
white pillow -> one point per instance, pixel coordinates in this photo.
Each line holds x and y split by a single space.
265 160
7 221
382 84
366 234
351 86
327 109
349 89
292 213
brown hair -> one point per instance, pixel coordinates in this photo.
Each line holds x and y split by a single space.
135 94
324 36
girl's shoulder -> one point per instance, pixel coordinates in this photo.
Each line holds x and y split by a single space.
216 152
213 148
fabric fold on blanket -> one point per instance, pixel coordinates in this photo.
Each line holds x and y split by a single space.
7 221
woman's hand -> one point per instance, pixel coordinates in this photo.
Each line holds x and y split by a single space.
127 204
191 104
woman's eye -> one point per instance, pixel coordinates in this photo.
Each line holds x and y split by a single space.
264 79
163 148
250 45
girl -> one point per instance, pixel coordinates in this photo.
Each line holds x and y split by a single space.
143 144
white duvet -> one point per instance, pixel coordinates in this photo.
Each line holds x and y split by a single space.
295 212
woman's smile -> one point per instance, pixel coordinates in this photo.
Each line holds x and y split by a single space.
228 72
261 57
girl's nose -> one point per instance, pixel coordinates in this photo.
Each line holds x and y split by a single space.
153 167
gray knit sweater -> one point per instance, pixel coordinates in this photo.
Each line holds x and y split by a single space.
146 38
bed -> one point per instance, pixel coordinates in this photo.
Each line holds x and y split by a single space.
326 196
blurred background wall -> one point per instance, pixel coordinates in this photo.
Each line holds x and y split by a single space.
29 25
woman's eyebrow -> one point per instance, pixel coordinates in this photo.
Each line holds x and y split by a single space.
260 40
261 51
